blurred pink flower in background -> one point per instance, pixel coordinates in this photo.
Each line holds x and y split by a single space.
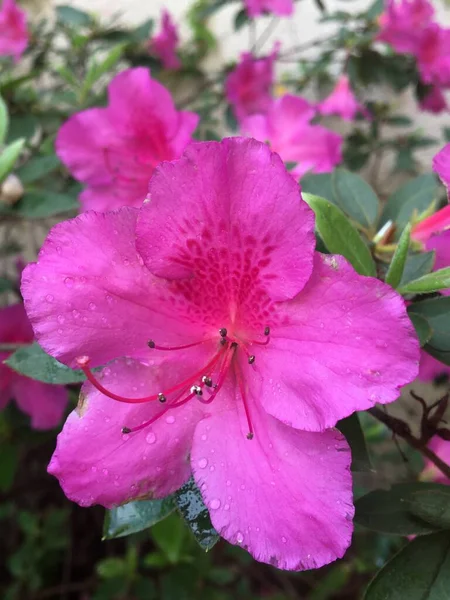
433 56
442 449
204 302
278 7
114 150
13 30
248 87
286 126
441 164
402 24
434 101
44 403
164 45
342 101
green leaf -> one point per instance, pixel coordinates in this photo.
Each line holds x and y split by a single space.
40 205
413 197
112 568
433 506
37 167
355 197
4 121
397 266
5 285
9 157
33 362
339 235
388 511
230 119
422 327
416 266
352 430
136 516
97 70
73 17
22 126
437 312
399 121
9 459
420 571
241 20
318 184
169 535
433 282
196 515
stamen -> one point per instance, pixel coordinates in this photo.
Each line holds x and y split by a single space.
197 390
240 380
222 374
266 341
251 359
151 344
207 381
161 397
267 331
83 362
223 332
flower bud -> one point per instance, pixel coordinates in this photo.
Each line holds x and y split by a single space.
11 190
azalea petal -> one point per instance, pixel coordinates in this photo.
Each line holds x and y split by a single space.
430 367
225 205
343 344
44 403
278 7
285 495
90 294
441 164
97 464
111 197
441 245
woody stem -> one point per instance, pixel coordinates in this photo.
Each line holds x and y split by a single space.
402 429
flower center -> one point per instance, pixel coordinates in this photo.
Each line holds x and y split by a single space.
203 385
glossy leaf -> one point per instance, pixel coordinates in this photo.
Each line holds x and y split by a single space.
136 516
413 197
420 571
397 266
388 511
352 430
422 327
437 312
196 515
339 235
433 506
355 197
433 282
9 156
33 362
417 265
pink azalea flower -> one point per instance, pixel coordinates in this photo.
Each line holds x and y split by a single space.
442 449
433 56
441 245
249 86
434 101
286 126
430 367
436 223
342 101
164 44
13 30
114 150
44 403
278 7
441 164
233 347
403 23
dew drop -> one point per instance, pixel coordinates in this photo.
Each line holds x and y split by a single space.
226 507
211 468
94 469
125 436
202 463
68 281
239 537
204 437
170 419
150 438
49 298
215 504
92 306
61 319
283 539
228 482
105 472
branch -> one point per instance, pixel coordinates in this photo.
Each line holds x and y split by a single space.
402 429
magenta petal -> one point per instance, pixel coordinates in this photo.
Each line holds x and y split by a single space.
90 294
285 496
13 30
44 403
441 164
441 245
281 8
346 344
430 367
97 464
215 206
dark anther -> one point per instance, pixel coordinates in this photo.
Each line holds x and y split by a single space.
126 430
233 345
251 359
207 380
151 344
267 331
223 332
197 390
250 435
223 341
161 397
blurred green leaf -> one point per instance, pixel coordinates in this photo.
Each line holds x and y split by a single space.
37 167
353 433
388 511
413 197
73 17
416 266
9 460
4 121
40 205
170 535
196 515
355 197
422 327
420 571
398 262
432 506
112 568
9 157
433 282
33 362
97 70
399 121
5 285
437 312
241 19
136 516
339 235
22 126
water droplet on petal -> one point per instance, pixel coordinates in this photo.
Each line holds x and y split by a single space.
202 463
226 507
61 319
105 472
170 419
228 482
239 537
49 298
92 306
204 437
284 540
68 281
215 504
150 438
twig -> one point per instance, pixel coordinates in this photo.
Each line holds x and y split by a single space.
265 35
402 429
